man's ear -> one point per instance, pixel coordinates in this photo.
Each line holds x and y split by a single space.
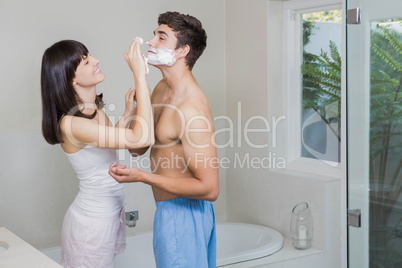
183 51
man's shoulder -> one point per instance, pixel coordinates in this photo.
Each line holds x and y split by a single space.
194 106
159 90
161 86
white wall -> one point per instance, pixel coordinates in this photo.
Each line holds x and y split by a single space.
37 184
254 77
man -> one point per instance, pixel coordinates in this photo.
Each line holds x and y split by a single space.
184 164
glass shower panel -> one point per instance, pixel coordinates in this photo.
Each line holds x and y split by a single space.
374 129
385 164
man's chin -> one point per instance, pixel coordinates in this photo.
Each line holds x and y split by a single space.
157 65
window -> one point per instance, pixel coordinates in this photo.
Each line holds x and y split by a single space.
313 44
321 85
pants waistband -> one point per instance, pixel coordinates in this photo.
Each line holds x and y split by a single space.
180 201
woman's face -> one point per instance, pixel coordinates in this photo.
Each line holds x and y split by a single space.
88 73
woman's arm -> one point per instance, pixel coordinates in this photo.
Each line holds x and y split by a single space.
140 151
124 121
78 130
144 125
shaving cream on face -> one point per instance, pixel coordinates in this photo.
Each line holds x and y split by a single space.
161 56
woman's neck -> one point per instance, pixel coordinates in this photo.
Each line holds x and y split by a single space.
86 95
86 101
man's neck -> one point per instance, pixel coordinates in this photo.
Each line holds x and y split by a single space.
177 77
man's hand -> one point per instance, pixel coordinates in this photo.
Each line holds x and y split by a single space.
123 174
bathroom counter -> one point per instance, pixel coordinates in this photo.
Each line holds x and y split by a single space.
21 254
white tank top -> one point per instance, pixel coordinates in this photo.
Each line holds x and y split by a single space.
100 195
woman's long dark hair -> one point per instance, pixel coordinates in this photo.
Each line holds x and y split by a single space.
59 63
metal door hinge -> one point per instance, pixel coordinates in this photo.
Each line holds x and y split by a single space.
353 16
354 217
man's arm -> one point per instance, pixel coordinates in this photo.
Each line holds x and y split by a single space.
200 153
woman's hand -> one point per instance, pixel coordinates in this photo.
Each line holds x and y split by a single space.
130 102
135 59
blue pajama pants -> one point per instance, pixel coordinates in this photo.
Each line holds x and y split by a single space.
184 234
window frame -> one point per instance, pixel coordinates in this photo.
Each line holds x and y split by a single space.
293 50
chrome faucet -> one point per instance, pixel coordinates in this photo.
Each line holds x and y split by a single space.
131 218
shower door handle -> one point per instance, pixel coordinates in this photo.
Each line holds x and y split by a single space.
353 16
354 218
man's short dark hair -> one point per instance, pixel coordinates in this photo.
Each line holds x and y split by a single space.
188 31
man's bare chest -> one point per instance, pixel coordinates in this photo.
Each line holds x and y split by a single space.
169 123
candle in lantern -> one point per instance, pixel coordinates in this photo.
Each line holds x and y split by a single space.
302 235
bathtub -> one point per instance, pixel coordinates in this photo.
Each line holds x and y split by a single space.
236 242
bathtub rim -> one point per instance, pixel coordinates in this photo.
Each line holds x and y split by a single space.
255 253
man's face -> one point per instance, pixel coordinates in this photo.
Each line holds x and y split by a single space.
162 46
164 37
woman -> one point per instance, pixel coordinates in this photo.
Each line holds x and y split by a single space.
93 228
